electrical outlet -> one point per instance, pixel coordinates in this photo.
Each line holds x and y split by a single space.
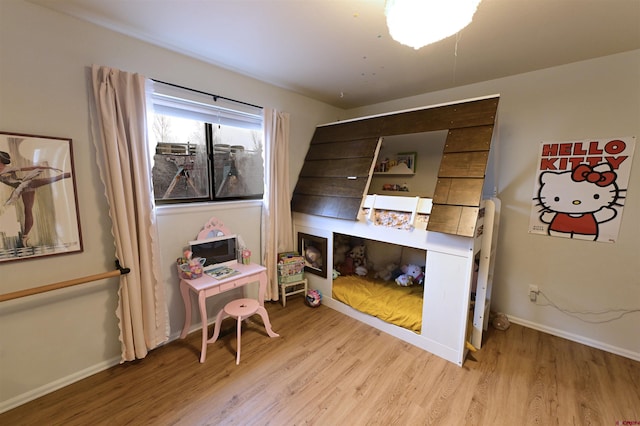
533 292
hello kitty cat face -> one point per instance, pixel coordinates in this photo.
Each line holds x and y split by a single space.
578 191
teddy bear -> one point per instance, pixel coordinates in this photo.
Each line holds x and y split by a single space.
412 275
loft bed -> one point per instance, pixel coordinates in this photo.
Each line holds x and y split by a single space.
372 295
454 228
450 318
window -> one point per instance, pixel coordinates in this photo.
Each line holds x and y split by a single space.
205 149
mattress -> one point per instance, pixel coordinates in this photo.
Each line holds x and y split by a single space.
401 306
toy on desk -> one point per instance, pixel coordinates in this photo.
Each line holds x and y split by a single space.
246 256
190 268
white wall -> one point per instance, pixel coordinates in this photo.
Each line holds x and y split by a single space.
48 340
592 99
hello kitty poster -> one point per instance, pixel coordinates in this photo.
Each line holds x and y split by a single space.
580 188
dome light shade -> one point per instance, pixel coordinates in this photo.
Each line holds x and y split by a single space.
416 23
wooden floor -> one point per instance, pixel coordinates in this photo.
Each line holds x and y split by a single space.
329 369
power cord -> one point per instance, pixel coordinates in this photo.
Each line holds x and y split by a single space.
576 314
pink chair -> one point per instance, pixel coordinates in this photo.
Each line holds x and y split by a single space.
242 309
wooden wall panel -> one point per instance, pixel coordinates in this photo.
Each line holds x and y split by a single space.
468 221
462 192
350 130
457 220
345 149
327 186
464 164
337 207
468 114
337 168
444 218
469 139
461 178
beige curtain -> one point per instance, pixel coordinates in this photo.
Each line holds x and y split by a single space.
277 227
120 130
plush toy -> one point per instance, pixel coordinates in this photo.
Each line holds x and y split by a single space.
404 280
313 257
387 272
357 253
361 270
412 275
499 321
313 298
346 267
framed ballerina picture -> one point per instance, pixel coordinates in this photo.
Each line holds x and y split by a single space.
38 201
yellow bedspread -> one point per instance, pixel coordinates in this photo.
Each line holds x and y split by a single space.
388 301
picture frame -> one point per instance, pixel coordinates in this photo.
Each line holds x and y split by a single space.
314 251
39 213
409 158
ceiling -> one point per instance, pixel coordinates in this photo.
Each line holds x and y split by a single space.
340 52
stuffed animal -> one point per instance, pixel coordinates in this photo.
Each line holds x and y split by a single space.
357 253
313 257
404 280
361 270
346 267
412 275
386 273
499 321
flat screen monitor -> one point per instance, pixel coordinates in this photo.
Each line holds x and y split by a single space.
215 250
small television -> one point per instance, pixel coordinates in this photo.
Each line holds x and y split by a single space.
216 250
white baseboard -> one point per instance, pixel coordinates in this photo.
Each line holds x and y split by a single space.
57 384
576 338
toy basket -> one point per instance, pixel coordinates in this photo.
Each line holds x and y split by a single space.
190 269
290 268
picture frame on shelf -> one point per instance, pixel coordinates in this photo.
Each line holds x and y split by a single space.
38 191
408 158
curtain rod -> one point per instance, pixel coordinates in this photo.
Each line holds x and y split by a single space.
215 97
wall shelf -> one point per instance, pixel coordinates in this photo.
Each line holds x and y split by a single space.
398 170
394 174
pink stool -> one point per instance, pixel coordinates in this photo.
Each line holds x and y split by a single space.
242 309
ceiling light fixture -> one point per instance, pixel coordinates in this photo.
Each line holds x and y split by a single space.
416 23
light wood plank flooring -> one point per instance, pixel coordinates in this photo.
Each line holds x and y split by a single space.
329 369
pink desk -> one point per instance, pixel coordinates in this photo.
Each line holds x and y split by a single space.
207 286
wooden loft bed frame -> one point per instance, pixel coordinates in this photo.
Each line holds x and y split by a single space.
341 158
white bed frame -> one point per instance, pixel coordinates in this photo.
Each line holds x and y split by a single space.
449 272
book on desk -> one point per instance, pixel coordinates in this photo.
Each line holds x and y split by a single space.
221 272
